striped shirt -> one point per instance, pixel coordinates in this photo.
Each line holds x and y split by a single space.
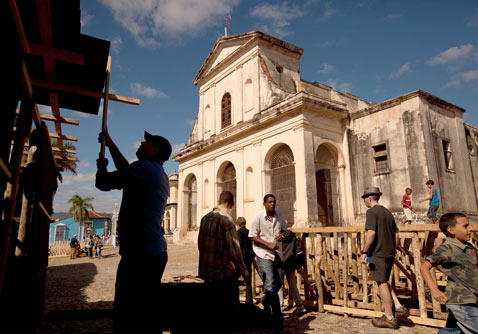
219 249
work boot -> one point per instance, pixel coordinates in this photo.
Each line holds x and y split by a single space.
383 322
401 313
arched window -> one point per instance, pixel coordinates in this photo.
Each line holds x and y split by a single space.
226 110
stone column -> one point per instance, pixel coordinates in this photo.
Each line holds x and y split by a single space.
306 192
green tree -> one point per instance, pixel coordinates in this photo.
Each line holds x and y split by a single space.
68 165
79 209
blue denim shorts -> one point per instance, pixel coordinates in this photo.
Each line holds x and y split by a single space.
432 212
461 319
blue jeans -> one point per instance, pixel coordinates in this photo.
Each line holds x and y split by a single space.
461 319
271 274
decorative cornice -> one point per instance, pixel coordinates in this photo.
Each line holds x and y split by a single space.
432 99
302 100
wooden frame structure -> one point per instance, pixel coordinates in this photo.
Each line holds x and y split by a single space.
334 280
48 62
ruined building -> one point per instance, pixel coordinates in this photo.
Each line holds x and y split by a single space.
261 128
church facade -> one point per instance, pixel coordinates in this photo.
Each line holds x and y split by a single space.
261 128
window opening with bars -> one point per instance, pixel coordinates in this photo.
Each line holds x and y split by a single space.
380 155
226 110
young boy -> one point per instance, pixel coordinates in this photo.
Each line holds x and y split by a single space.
434 201
407 206
458 260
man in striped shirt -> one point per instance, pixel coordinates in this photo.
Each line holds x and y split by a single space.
220 262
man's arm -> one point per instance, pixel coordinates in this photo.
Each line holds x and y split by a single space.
369 237
265 244
430 196
106 181
436 293
118 158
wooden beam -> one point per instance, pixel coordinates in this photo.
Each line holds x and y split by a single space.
376 314
45 211
19 24
57 54
5 169
65 120
63 150
83 91
62 137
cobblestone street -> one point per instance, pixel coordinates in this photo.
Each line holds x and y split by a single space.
79 298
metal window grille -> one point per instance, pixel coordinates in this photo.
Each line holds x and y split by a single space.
226 110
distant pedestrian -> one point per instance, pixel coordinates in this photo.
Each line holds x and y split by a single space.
220 261
247 253
407 206
267 230
434 201
90 243
99 246
457 258
380 246
73 246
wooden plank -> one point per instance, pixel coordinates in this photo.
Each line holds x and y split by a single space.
5 169
355 279
82 91
18 23
45 211
355 229
57 54
62 137
345 273
364 272
318 276
420 284
105 108
65 120
376 314
60 157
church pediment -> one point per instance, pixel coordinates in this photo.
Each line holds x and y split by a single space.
228 46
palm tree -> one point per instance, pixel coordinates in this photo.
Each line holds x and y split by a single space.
79 210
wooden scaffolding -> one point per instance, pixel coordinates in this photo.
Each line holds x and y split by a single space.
49 62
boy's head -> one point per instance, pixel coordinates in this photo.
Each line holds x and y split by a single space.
430 184
455 225
408 191
241 221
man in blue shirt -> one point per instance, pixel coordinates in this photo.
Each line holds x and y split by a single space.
434 201
142 245
73 243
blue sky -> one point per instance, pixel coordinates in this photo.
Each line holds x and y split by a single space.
374 49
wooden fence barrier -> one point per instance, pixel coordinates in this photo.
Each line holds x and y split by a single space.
334 279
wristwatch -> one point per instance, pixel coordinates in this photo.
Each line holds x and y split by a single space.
364 252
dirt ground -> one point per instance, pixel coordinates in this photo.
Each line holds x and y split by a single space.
80 292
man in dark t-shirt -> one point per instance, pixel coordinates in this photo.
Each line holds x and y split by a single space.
380 246
73 244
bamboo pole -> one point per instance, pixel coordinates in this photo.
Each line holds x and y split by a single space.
355 279
318 276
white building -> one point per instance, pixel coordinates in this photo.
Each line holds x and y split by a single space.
262 129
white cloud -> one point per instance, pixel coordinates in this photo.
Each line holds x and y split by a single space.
137 144
83 164
146 91
457 79
453 54
116 44
329 12
85 18
472 21
79 178
398 73
176 148
339 86
326 68
191 121
148 20
278 17
392 16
